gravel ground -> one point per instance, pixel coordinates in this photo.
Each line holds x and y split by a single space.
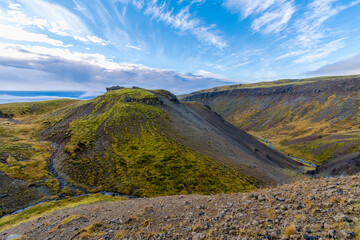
313 209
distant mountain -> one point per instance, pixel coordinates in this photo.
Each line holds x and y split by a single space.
316 119
131 142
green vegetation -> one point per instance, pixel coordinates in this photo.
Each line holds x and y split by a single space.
22 154
34 108
52 206
121 141
277 83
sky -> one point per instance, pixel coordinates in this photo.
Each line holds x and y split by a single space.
179 45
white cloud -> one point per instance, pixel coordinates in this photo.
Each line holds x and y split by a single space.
48 16
322 52
18 34
310 39
184 22
270 16
203 73
133 47
310 26
137 3
59 69
274 21
345 67
191 2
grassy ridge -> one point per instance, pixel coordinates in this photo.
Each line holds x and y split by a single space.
277 83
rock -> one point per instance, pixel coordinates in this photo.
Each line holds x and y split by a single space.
347 234
198 236
4 195
331 233
340 217
255 222
352 201
13 236
113 88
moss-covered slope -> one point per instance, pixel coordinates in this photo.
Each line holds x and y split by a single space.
118 142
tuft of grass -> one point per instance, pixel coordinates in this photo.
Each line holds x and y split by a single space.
52 206
290 230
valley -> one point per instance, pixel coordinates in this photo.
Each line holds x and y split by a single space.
140 164
314 119
128 142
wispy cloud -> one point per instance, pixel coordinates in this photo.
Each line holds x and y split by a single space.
310 26
310 39
270 16
182 21
48 16
18 34
321 52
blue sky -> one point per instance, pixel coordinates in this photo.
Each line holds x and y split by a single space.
180 45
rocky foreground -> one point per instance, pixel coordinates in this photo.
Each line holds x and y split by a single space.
312 209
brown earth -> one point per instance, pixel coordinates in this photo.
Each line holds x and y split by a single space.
312 209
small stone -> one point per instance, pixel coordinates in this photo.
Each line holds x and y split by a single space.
13 236
342 218
331 233
300 206
352 201
306 237
347 234
255 222
198 236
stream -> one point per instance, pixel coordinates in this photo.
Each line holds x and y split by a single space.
299 159
63 183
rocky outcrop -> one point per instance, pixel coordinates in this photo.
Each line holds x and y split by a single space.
113 88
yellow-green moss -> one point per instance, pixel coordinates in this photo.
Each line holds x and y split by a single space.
52 206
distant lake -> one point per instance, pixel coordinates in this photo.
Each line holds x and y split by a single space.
32 96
